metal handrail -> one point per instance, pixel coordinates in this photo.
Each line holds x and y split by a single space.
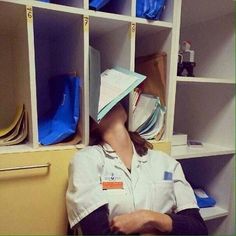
47 165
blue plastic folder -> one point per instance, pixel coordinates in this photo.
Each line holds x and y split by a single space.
150 9
62 121
203 200
97 4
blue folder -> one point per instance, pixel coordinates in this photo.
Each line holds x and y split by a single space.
204 200
61 122
150 9
97 4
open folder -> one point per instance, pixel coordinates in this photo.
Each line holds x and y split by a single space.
154 67
17 130
107 89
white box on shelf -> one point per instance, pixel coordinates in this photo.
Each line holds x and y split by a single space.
179 139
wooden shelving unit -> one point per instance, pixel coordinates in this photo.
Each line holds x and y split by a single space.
56 39
204 107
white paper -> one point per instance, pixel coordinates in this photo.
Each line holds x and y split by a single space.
113 83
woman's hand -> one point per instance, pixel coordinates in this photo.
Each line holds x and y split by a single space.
141 221
129 223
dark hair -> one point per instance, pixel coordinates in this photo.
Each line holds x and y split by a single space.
141 145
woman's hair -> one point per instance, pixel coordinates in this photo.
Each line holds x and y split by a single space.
141 145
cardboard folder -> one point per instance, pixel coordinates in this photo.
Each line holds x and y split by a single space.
154 67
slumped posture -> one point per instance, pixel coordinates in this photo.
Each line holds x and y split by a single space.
121 186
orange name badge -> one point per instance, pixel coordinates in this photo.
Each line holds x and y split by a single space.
112 185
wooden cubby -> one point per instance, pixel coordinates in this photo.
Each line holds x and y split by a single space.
204 112
122 7
212 174
58 51
214 56
15 84
112 39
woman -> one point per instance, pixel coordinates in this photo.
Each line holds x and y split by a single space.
121 186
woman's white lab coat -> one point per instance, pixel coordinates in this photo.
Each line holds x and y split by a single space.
97 176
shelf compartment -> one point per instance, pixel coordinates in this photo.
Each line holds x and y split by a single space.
186 152
112 39
214 57
15 77
166 16
214 176
59 49
211 213
192 13
151 40
205 112
121 7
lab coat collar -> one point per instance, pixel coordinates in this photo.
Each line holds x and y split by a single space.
110 153
135 165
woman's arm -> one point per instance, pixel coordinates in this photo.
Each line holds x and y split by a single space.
142 222
97 222
186 222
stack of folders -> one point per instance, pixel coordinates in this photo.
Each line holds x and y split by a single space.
148 117
17 131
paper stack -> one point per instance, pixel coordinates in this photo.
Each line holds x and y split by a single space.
17 131
148 117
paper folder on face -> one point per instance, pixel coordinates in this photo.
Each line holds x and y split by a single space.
109 87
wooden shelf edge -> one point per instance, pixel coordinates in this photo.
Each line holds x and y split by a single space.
107 15
163 24
205 80
185 152
28 148
211 213
16 149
